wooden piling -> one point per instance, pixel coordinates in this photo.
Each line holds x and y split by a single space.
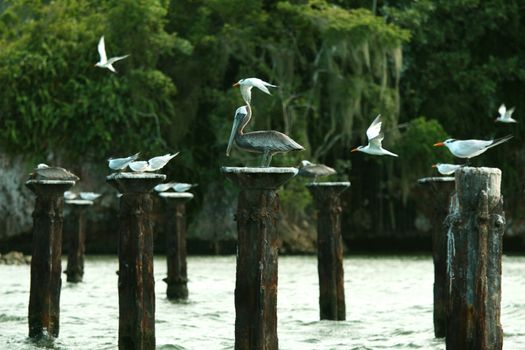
175 209
257 252
46 280
76 240
477 225
136 284
439 189
330 249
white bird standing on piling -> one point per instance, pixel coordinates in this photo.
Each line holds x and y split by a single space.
447 169
89 196
470 148
505 115
183 187
247 84
69 195
122 163
104 62
157 163
375 139
139 166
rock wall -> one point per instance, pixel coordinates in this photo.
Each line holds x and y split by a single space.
16 201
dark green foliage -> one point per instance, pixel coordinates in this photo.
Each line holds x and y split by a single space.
337 65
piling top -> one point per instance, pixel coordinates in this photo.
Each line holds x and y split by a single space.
269 178
329 184
176 195
135 182
471 181
79 202
49 187
426 180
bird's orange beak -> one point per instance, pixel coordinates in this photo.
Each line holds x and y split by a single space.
434 165
354 150
439 144
236 84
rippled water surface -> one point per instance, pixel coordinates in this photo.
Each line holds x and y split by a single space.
388 300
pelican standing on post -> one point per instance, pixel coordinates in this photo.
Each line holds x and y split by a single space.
375 138
268 142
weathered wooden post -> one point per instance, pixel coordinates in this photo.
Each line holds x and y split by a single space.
477 226
46 269
257 251
177 279
76 240
136 285
330 249
440 189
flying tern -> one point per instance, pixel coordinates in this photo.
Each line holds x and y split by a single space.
247 84
375 138
447 169
470 148
104 62
505 115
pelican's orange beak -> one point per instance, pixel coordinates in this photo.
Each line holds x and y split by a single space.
236 84
434 165
354 150
439 144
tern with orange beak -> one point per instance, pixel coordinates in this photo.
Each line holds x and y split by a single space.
470 148
247 84
375 139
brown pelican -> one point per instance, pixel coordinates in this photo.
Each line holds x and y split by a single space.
308 169
268 142
46 172
375 138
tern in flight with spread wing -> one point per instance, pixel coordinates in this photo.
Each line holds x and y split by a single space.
104 62
505 115
375 137
247 84
470 148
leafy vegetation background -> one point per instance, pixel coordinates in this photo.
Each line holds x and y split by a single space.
433 69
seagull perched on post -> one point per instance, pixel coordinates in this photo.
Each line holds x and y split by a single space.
157 163
122 163
104 62
505 115
375 138
247 84
470 148
447 169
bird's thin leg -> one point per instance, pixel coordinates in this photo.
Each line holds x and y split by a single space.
269 159
266 159
315 179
